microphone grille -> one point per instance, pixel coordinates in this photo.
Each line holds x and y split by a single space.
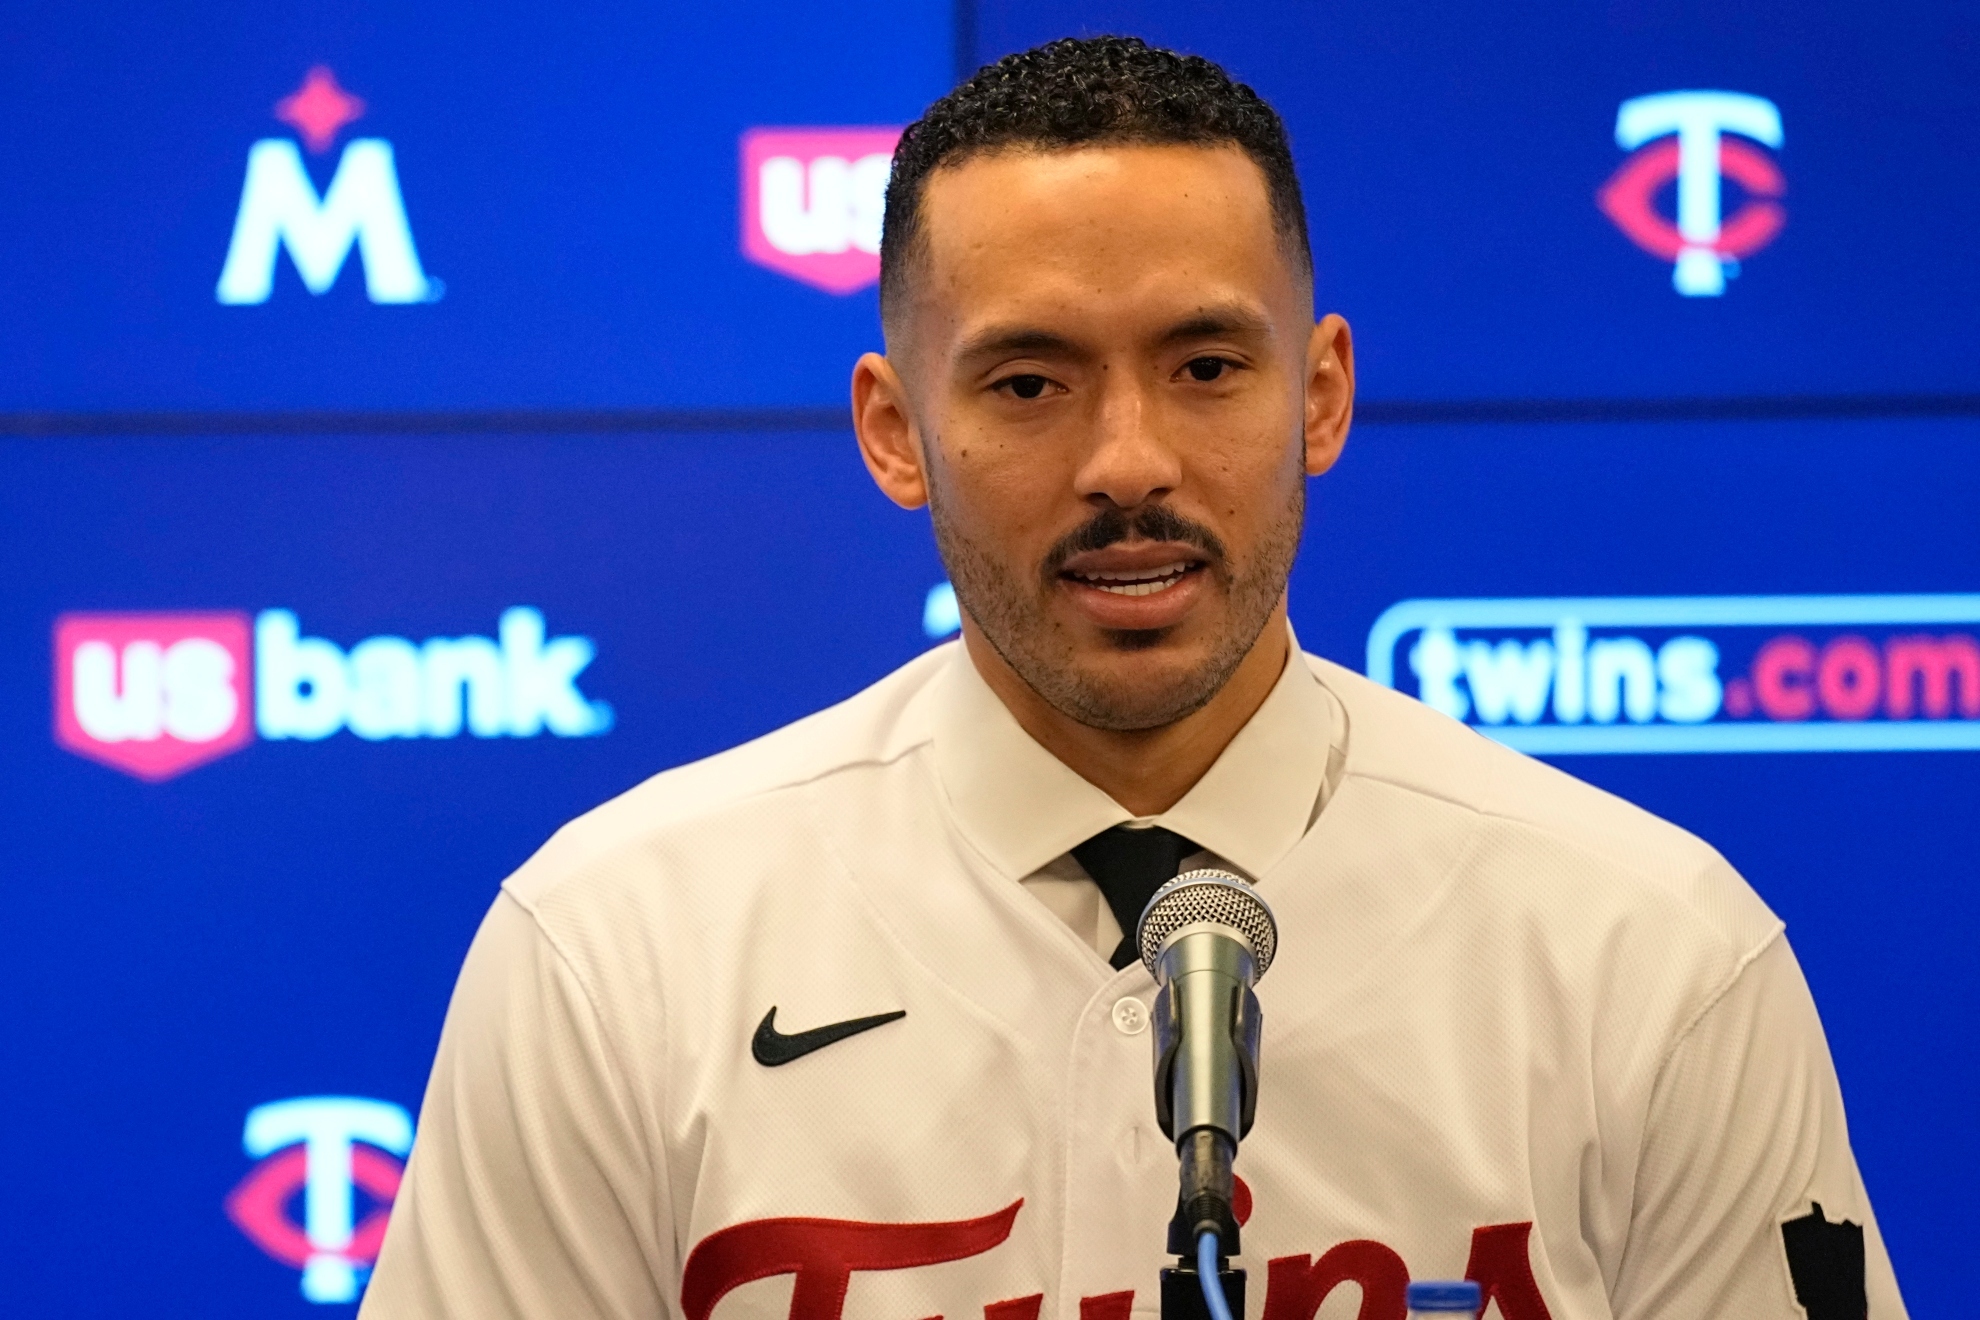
1208 896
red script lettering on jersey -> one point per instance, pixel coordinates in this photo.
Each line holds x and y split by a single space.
823 1253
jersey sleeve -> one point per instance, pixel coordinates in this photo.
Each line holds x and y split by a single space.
531 1193
1748 1201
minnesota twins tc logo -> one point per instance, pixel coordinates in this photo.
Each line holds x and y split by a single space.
311 1145
1683 137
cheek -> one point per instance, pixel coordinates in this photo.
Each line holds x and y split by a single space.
1249 485
1005 497
1015 473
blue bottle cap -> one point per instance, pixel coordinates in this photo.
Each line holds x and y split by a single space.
1462 1296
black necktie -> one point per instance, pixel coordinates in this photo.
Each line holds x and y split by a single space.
1129 865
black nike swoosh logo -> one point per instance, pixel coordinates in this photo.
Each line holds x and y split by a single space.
772 1048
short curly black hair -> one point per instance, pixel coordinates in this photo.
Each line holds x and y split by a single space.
1078 92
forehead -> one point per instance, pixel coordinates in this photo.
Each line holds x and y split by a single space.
1109 232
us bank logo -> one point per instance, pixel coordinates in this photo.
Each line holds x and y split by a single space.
362 208
1699 140
1694 673
155 695
321 1192
812 202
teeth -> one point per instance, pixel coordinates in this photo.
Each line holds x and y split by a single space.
1137 582
1139 574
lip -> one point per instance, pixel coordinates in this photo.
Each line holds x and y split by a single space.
1141 613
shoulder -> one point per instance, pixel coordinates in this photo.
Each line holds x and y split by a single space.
663 814
1605 855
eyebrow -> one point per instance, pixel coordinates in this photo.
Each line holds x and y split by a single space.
1220 319
1224 319
1002 339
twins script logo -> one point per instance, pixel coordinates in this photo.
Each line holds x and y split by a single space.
823 1255
361 208
812 202
1683 136
311 1145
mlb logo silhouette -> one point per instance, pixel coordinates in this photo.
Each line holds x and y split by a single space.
812 202
153 695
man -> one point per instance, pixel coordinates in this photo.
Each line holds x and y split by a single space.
840 1023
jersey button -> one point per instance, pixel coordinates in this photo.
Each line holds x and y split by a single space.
1130 1016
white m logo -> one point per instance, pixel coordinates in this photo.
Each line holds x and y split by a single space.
279 206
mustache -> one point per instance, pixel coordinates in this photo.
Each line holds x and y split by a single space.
1154 522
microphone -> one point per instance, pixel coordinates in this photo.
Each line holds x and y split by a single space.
1206 937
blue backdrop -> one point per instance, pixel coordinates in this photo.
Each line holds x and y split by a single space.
553 457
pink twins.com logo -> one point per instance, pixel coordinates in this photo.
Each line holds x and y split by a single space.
1684 136
155 695
322 1151
812 201
1694 673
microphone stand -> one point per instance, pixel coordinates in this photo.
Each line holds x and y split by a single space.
1203 1206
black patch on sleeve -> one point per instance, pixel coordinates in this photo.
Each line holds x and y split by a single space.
1826 1262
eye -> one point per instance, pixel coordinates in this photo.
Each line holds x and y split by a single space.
1024 387
1207 369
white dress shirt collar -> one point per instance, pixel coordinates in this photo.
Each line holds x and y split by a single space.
1022 807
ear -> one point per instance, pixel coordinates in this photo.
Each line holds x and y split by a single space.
1329 392
886 434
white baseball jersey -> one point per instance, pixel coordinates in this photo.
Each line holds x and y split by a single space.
1517 1031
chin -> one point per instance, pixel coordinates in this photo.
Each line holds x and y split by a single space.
1140 643
1139 686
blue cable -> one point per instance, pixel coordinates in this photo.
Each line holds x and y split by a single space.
1206 1272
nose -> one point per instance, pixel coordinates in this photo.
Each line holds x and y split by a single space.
1127 463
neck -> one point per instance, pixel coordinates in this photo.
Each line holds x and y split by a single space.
1147 771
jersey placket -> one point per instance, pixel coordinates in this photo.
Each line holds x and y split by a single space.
1120 1169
